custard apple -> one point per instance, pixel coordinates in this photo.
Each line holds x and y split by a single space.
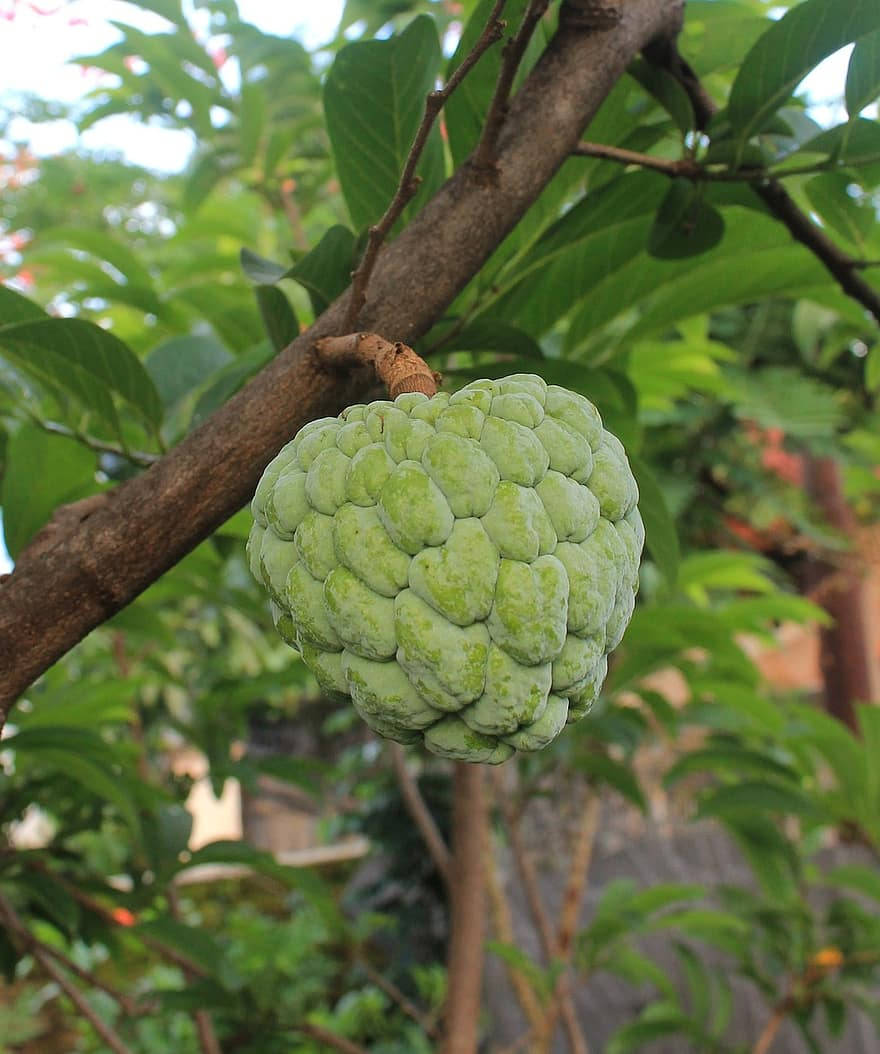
460 565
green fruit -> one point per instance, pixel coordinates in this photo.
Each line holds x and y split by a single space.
459 566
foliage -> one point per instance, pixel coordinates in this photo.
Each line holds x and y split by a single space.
682 308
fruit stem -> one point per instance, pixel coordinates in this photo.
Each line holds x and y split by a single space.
396 364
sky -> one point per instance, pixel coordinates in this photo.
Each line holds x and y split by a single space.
39 38
36 49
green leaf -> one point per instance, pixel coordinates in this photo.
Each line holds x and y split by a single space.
863 74
656 1021
17 308
855 876
227 381
251 119
852 143
204 175
603 769
100 245
667 91
493 334
468 105
325 271
661 537
42 472
374 98
259 269
758 796
728 757
808 33
872 368
522 963
779 397
828 194
685 224
181 364
85 360
194 942
278 316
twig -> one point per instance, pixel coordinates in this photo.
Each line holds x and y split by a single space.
409 182
137 457
525 866
203 1021
688 168
324 1035
502 922
768 1033
396 365
468 895
840 265
514 49
421 814
128 1006
579 868
423 1020
37 950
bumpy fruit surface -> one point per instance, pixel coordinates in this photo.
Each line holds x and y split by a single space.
460 566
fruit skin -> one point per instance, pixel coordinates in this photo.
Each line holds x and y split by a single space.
459 566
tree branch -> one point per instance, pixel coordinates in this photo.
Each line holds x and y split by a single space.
687 168
96 568
470 827
572 898
421 814
514 49
409 182
47 964
331 1039
203 1021
842 267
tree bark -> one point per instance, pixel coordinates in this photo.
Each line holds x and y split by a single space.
103 562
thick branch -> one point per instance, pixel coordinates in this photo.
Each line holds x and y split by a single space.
842 267
98 567
470 827
409 182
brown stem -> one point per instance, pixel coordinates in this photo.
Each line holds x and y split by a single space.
36 948
423 1020
687 168
768 1032
845 655
409 182
468 910
579 869
334 1041
840 265
526 868
97 567
502 923
420 813
395 364
484 156
208 1042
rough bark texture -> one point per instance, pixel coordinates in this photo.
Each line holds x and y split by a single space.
53 600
